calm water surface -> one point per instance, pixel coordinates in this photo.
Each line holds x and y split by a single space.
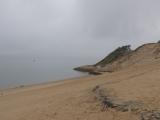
25 70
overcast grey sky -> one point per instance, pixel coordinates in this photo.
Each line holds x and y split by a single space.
76 27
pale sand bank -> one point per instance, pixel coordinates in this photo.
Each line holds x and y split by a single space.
73 99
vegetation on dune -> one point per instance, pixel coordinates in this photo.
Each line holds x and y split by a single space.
115 55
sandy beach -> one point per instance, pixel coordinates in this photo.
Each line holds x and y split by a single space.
74 100
79 60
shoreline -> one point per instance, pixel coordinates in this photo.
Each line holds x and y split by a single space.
42 84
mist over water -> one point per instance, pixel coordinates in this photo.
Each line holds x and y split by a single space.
16 70
43 40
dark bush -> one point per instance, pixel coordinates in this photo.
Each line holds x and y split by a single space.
116 54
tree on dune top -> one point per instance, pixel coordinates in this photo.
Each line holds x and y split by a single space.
115 55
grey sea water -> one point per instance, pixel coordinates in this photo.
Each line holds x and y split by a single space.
16 70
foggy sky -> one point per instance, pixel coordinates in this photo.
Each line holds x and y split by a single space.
75 28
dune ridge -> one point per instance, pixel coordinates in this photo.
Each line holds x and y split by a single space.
142 55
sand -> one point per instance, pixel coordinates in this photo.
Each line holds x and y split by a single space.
73 99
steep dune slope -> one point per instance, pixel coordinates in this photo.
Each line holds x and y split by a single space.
137 88
142 55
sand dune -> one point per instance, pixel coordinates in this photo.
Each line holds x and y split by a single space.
75 100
